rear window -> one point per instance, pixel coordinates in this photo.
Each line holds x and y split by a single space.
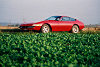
72 19
65 19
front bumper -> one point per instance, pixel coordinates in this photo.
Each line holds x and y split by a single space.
26 27
30 28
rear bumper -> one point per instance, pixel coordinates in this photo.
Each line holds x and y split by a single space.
81 27
30 28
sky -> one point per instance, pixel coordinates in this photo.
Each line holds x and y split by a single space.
19 11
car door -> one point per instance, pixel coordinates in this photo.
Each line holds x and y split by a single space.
65 24
54 25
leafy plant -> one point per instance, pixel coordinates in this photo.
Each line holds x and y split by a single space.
50 49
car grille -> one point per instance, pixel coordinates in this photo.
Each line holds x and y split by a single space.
26 27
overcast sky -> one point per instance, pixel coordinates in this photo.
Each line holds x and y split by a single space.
17 11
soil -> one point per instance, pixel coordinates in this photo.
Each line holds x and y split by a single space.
6 27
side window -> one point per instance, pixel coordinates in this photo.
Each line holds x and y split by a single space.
65 19
72 19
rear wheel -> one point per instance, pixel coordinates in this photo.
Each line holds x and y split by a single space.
75 29
45 28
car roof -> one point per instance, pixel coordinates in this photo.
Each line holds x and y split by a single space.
63 16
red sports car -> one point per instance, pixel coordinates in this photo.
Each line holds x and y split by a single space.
55 23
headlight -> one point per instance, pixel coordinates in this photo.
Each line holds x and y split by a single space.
37 25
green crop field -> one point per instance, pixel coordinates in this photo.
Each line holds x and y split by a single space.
57 49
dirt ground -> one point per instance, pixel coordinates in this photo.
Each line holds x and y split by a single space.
85 29
91 29
6 27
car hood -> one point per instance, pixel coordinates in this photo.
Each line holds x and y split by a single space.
30 24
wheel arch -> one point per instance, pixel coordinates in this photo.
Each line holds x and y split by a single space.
48 25
72 26
77 25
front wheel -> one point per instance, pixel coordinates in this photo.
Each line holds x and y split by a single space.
75 29
45 28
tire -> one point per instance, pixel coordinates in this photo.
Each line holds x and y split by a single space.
45 28
75 29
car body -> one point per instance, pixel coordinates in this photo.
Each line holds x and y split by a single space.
54 23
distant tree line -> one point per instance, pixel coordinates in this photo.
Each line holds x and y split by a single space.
96 25
13 25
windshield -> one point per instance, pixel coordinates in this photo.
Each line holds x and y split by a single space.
54 18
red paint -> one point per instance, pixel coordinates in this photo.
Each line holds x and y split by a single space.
56 25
